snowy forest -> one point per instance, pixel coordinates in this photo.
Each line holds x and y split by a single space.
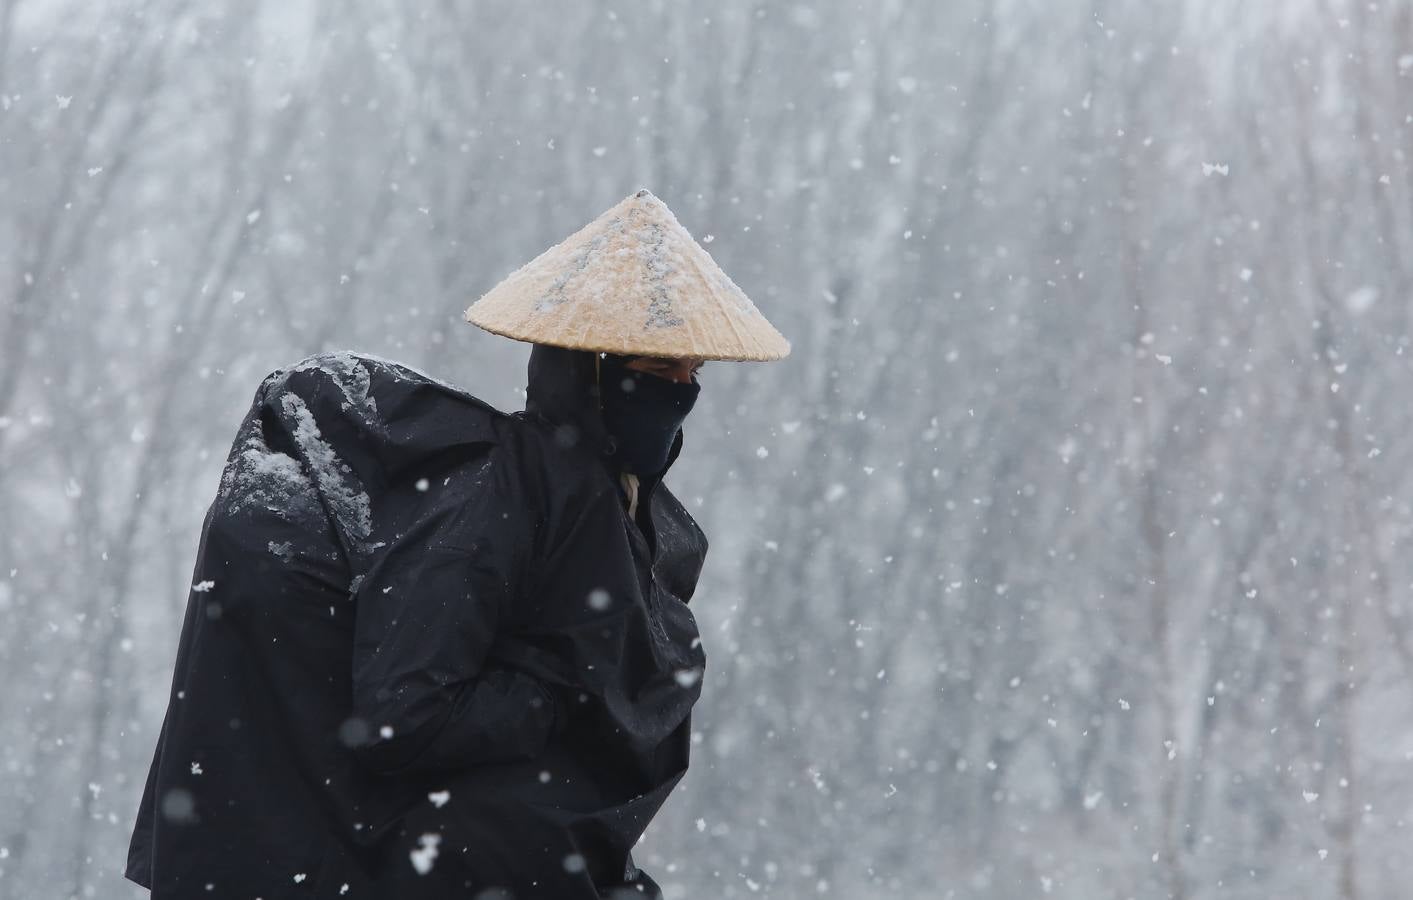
1068 554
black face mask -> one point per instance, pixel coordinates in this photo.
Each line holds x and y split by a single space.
642 414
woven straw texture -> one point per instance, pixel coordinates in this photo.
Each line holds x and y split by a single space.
632 282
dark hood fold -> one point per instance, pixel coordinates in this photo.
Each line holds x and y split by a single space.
562 391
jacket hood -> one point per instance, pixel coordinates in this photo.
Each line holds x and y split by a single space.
563 390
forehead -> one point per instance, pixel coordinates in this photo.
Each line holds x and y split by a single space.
667 360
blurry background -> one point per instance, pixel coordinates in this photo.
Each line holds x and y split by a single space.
1068 553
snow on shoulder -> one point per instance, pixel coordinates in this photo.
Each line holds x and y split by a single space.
340 487
282 462
301 449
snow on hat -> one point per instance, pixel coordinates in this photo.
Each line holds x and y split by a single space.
631 282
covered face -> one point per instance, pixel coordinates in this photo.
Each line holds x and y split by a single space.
644 402
610 406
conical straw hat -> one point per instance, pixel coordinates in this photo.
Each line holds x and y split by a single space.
631 282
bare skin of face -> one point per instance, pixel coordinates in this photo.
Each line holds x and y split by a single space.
679 370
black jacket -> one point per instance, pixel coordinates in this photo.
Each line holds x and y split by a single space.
426 651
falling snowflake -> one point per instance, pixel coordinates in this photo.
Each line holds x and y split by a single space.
426 853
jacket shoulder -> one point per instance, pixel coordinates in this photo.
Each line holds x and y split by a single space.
388 408
342 431
357 381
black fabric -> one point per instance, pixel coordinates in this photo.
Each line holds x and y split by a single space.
642 414
423 634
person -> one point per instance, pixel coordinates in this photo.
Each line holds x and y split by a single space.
435 650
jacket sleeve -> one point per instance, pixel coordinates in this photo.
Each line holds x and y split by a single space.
427 613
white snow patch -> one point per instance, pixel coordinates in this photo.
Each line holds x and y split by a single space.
202 587
345 495
261 478
351 378
439 798
284 550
